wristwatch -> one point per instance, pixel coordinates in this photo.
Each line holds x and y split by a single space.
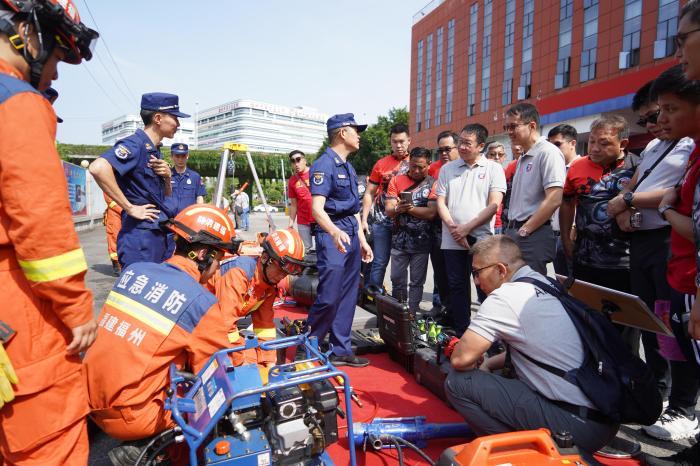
663 209
523 233
628 197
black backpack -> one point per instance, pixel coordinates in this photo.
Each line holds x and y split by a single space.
619 384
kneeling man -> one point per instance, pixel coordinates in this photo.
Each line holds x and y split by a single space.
531 322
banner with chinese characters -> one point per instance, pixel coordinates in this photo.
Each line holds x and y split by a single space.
77 188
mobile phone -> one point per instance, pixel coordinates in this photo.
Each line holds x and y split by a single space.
406 196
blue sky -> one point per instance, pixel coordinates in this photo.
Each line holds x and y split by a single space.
335 56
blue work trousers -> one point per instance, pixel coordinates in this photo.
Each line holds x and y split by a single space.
141 245
338 284
381 246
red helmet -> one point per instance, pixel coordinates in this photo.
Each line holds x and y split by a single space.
204 224
287 248
57 23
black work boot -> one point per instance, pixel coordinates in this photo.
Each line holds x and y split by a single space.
124 455
688 457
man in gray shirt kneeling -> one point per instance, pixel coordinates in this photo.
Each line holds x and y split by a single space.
532 322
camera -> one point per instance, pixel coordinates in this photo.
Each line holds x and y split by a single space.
636 219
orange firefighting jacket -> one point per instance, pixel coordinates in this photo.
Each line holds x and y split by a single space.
155 315
42 266
241 289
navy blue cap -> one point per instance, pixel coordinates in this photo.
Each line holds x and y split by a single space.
345 119
179 149
162 102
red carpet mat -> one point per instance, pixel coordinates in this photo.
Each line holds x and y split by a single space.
386 390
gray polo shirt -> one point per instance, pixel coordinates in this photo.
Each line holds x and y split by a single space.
542 167
466 190
534 323
665 175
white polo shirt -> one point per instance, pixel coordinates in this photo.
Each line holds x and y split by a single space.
466 190
542 167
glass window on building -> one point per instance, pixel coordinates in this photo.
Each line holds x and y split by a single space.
666 28
507 91
631 34
562 78
486 56
438 76
590 40
419 86
449 84
525 87
428 79
471 59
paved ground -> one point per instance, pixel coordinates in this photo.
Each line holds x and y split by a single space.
100 279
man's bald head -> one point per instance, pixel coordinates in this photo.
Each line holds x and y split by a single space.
498 248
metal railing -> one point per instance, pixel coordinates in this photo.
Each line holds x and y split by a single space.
423 12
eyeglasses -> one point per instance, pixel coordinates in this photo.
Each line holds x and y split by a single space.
511 127
681 37
289 267
476 272
445 150
651 118
296 159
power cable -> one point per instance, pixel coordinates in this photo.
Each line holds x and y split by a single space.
116 105
104 40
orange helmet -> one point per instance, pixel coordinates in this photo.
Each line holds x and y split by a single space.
286 247
204 224
57 23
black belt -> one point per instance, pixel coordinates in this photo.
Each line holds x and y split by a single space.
335 218
520 223
583 412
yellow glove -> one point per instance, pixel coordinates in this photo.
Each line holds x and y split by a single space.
7 377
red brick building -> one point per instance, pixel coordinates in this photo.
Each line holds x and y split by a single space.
573 59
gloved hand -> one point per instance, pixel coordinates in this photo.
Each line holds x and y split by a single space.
450 347
7 378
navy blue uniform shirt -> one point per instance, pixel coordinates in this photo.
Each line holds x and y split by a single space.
337 182
186 187
129 158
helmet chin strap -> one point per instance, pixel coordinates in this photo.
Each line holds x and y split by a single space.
46 45
202 264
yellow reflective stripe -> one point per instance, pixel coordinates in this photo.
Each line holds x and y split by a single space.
266 332
113 256
140 312
112 204
53 268
233 336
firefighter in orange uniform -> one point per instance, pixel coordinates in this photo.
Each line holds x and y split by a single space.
156 315
113 223
46 317
246 284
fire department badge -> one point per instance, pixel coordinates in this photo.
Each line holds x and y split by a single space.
318 178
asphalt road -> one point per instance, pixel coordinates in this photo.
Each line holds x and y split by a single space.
100 280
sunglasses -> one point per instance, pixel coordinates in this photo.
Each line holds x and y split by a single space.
296 159
512 127
651 118
446 149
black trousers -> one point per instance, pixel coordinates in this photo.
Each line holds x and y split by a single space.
649 254
440 272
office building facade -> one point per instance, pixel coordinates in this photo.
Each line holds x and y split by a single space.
126 125
573 59
262 127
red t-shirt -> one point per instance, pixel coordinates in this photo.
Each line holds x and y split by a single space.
434 168
510 170
383 171
681 269
298 188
